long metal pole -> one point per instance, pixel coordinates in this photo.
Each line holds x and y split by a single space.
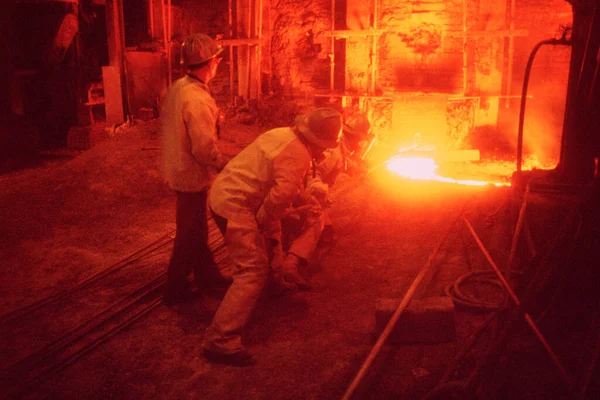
170 35
125 80
165 41
515 299
332 55
464 43
511 49
259 50
151 17
374 47
230 21
518 229
394 319
249 49
270 57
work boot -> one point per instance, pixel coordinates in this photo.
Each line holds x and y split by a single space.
210 281
240 359
290 273
208 276
328 236
279 287
171 298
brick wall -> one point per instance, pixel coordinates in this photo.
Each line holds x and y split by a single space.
299 48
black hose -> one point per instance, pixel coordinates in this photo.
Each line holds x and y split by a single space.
555 42
469 302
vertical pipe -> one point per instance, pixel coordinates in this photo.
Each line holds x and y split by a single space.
511 51
170 35
165 43
124 79
230 21
269 83
332 55
249 49
259 50
151 17
464 43
374 47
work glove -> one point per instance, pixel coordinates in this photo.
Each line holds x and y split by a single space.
356 168
267 225
274 253
307 200
320 191
290 274
280 286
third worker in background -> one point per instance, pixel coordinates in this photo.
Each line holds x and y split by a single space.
314 227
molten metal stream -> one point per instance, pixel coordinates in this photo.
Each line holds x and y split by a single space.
425 168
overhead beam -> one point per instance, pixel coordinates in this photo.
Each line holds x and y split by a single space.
240 42
346 33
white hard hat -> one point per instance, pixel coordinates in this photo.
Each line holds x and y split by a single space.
321 127
358 127
199 48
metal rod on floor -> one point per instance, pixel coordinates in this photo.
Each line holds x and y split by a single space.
517 302
394 319
518 229
529 239
587 378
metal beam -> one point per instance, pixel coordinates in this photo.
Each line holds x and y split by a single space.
47 1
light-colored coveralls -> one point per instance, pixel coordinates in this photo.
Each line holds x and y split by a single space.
191 159
252 193
326 173
190 154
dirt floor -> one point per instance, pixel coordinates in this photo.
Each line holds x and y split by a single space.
66 220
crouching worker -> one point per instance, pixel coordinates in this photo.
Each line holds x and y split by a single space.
248 199
314 226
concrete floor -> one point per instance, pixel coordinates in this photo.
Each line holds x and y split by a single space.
65 221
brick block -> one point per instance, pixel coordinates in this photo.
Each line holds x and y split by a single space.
84 137
426 321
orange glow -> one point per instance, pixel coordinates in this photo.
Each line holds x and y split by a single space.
425 168
420 168
495 172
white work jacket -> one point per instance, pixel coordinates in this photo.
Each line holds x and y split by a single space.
190 155
266 176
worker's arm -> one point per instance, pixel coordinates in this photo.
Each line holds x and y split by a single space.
201 121
289 168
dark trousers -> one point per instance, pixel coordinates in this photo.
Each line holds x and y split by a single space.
220 221
190 249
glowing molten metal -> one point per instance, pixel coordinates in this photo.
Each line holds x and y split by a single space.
425 168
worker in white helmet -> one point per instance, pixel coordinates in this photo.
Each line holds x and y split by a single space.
191 160
314 225
248 199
